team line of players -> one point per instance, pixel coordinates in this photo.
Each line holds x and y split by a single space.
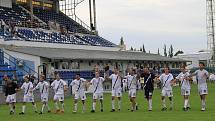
78 85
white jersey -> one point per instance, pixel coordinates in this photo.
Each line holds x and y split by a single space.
58 86
116 81
166 81
185 84
28 88
133 83
201 77
97 84
78 85
43 87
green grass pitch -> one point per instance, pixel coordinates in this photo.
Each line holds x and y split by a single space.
124 115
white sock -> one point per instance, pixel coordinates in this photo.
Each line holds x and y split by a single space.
164 103
62 106
171 103
203 103
119 104
150 104
186 103
75 106
113 104
43 106
11 107
83 107
35 107
101 105
23 108
94 105
56 106
47 106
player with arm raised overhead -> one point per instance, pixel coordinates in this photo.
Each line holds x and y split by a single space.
60 87
78 86
167 81
201 77
116 92
184 79
43 87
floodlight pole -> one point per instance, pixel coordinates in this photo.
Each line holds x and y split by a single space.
94 9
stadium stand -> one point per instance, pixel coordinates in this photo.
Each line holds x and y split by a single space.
48 36
96 40
16 16
62 19
20 25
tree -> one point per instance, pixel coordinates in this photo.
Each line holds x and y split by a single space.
144 50
141 49
165 52
179 52
122 41
132 49
171 51
158 51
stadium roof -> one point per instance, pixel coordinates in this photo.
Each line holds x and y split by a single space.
75 54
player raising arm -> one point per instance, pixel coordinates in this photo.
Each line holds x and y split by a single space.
60 87
201 77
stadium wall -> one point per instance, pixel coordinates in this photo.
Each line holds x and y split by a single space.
28 59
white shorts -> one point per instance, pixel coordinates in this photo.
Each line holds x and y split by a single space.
59 97
116 93
98 96
167 93
203 90
44 97
28 99
132 93
80 95
11 98
185 92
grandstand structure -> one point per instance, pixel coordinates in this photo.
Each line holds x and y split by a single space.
37 37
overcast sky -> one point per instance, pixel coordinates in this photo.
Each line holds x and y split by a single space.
152 22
